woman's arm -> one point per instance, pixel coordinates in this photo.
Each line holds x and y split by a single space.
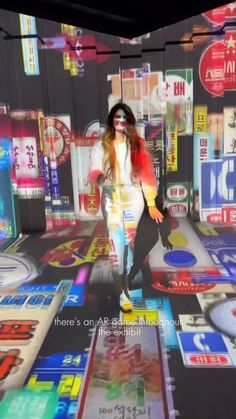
149 184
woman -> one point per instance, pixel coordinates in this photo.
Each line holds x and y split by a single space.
121 164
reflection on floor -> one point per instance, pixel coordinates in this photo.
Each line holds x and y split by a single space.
6 242
62 332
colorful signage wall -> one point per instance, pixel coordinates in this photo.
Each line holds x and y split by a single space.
181 94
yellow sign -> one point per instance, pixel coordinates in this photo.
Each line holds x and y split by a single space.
68 386
172 156
141 317
66 60
70 254
200 119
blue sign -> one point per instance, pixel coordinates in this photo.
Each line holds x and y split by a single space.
228 180
211 186
66 409
202 342
76 296
166 320
38 288
200 152
227 256
6 153
218 182
69 361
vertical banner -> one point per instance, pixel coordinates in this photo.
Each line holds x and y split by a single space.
69 31
124 378
50 144
7 208
200 119
27 153
56 145
216 129
27 164
87 196
29 45
203 148
154 135
146 91
210 191
156 94
172 148
7 214
229 130
115 95
74 55
132 90
48 196
179 93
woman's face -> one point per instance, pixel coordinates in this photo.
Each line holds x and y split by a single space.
120 121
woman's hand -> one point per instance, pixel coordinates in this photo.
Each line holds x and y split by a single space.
155 214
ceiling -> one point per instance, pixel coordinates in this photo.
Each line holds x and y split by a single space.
125 18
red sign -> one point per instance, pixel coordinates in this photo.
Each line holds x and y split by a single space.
92 200
179 282
229 215
216 16
211 68
9 360
17 329
57 133
209 360
217 67
221 14
86 49
214 218
230 60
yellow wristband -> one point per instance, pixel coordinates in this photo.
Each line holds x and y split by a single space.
151 203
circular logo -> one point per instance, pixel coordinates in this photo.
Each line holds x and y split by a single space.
211 68
15 270
180 258
217 65
222 316
56 139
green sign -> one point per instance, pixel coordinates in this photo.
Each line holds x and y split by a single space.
25 403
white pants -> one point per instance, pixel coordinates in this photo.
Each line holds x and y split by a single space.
123 207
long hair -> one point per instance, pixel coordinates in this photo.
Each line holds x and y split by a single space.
109 137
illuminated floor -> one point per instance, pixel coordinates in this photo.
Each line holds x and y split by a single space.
174 353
